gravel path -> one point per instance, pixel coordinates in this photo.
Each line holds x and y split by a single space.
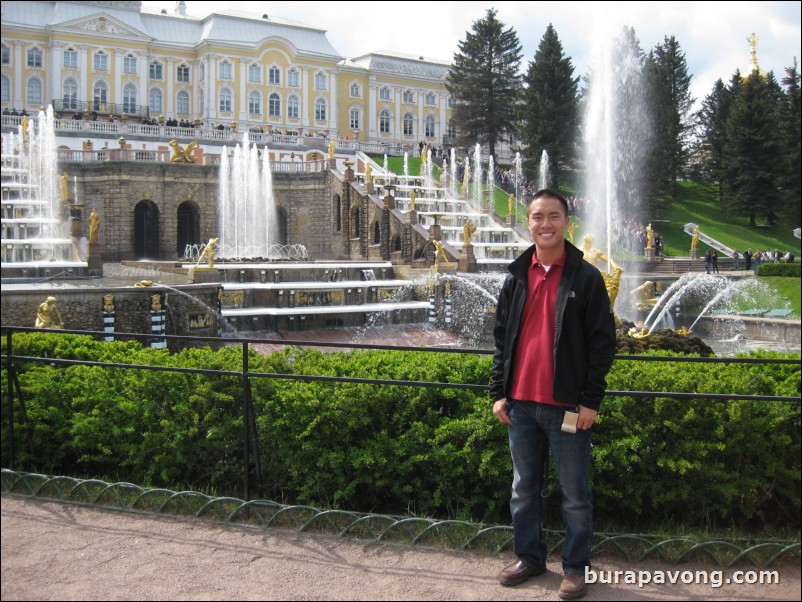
56 551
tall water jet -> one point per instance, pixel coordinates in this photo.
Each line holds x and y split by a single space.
477 175
34 235
247 217
453 187
518 176
543 181
616 140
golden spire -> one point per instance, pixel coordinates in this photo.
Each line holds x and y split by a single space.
753 39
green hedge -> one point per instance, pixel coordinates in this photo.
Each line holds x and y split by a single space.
779 269
402 449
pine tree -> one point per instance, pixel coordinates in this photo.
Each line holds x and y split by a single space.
793 127
753 154
711 120
551 110
485 84
670 102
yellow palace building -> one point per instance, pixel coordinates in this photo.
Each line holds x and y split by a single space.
230 70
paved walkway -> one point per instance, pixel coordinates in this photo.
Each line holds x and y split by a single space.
56 551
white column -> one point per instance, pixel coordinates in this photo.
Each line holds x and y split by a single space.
84 82
333 107
117 97
169 101
398 130
19 65
211 87
372 118
142 67
241 112
54 68
307 103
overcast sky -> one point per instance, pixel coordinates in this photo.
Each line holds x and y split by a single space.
713 35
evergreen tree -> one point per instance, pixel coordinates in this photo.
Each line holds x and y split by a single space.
712 123
485 84
668 85
753 154
551 111
793 127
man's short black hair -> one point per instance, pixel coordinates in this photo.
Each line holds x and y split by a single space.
548 193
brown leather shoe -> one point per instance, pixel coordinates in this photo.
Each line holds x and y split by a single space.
573 587
518 572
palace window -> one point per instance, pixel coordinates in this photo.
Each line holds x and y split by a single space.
320 110
129 98
385 93
225 100
34 96
156 70
254 73
274 76
225 70
182 73
293 78
34 57
129 64
356 90
320 81
255 103
70 58
156 105
384 122
182 103
274 105
293 107
409 96
100 61
408 125
70 94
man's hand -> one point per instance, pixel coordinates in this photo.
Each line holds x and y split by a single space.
500 410
586 418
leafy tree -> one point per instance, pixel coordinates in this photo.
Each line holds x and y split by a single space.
484 82
753 156
668 83
551 110
793 128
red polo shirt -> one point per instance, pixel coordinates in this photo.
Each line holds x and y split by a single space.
533 372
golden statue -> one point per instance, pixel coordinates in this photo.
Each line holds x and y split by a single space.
467 232
332 148
368 174
423 160
510 204
24 128
644 296
48 315
571 230
465 180
94 226
183 155
596 257
144 283
695 239
208 252
440 252
108 303
156 302
753 39
412 197
649 236
64 187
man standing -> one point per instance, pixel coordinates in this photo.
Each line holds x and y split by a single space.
554 339
748 258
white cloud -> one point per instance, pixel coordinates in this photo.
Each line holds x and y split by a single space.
711 34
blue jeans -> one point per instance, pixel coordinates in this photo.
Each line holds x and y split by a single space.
536 428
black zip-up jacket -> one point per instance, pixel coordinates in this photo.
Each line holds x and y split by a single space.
584 340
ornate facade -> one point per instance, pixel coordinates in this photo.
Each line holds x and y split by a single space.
255 71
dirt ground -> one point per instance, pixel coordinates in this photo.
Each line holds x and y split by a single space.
57 551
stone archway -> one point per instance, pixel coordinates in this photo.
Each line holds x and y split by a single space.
146 230
188 226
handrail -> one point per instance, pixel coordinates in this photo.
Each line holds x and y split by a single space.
245 374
